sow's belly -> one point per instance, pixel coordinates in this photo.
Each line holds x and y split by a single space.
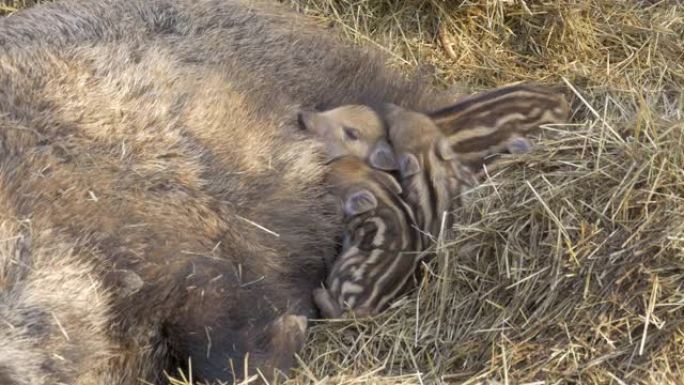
157 166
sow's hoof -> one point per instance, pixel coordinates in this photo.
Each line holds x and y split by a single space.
250 355
289 332
285 337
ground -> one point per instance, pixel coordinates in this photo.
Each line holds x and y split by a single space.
568 264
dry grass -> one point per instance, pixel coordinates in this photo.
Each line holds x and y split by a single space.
9 6
568 265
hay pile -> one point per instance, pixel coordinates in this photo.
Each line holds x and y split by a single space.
9 6
568 264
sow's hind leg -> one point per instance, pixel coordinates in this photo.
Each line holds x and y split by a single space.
229 331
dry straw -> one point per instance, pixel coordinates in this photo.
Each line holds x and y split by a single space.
567 265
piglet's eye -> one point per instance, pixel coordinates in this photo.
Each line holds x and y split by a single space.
351 133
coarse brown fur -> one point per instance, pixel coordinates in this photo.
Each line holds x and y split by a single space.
158 137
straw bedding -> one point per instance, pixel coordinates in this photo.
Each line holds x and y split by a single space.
567 264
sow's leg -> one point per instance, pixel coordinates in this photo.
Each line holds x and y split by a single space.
230 330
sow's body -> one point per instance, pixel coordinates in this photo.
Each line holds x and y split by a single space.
158 205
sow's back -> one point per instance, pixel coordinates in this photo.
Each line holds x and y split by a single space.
157 202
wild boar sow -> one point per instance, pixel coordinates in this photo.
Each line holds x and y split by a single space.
158 204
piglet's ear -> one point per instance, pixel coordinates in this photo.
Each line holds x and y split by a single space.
360 202
382 157
389 182
444 150
311 122
519 145
408 165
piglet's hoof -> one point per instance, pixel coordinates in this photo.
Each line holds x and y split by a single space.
519 145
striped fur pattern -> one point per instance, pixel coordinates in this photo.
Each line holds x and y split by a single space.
478 127
443 153
498 121
381 242
431 174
